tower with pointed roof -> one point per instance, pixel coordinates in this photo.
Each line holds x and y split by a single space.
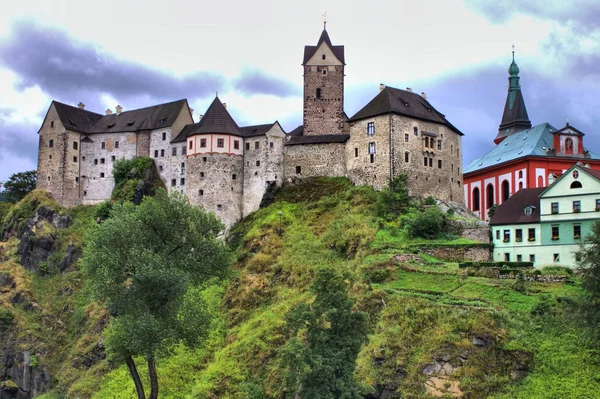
514 118
323 87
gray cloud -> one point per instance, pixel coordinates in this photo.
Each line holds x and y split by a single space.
71 70
256 82
18 140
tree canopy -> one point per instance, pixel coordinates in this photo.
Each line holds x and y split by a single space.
18 186
144 263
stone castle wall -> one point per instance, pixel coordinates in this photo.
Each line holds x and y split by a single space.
314 160
324 115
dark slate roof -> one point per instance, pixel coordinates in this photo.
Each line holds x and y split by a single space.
184 133
402 102
512 210
299 131
216 119
515 116
75 118
318 139
256 130
594 173
149 118
338 51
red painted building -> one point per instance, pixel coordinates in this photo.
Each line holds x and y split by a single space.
524 156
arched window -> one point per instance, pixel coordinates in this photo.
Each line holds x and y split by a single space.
520 174
490 196
540 181
569 144
576 184
319 92
476 198
505 190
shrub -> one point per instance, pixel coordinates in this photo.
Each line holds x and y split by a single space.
394 199
430 201
103 210
428 224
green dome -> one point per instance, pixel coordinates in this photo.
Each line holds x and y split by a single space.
513 69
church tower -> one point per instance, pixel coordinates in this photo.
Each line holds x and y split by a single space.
323 87
515 116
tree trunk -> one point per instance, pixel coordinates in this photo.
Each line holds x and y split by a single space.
153 378
136 377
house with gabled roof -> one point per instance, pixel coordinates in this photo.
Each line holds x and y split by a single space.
524 156
547 225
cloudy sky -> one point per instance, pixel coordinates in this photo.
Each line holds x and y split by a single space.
142 52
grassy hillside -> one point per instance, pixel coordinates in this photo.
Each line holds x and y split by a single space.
434 331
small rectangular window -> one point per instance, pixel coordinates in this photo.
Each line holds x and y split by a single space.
506 236
182 181
155 153
257 163
51 143
507 256
532 258
103 145
557 257
173 182
497 234
371 128
372 148
555 233
439 145
256 145
164 136
519 258
554 208
247 146
74 159
162 153
117 144
219 206
236 144
519 235
183 151
531 234
356 153
191 144
50 156
431 162
233 176
183 165
203 143
201 192
202 174
204 159
407 157
372 158
75 145
95 162
598 204
270 144
220 143
416 130
576 206
101 174
112 158
439 164
577 232
323 56
174 151
160 168
425 161
102 160
51 123
298 170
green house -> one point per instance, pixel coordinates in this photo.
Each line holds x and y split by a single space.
547 226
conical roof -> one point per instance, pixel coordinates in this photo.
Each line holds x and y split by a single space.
309 51
216 119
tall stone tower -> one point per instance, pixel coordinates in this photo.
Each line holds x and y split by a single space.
323 87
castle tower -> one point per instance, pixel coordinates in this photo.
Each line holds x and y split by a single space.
515 116
323 87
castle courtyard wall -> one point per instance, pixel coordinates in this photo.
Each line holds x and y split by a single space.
314 160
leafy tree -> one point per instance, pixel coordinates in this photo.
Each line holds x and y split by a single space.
320 357
393 199
428 224
492 210
18 185
589 263
144 263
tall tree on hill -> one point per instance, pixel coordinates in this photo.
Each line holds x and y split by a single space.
18 185
144 263
326 335
590 276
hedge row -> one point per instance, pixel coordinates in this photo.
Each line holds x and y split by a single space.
499 265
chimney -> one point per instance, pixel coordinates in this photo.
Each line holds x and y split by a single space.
225 105
81 105
108 111
119 109
381 87
409 89
424 95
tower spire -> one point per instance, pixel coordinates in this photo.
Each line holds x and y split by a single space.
324 15
515 116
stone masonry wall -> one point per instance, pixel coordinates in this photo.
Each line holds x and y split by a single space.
459 254
262 167
160 151
177 168
210 183
97 163
324 115
440 181
360 168
314 160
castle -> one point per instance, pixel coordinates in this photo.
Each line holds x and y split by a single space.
227 169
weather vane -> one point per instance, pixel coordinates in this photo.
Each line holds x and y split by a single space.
513 47
324 20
